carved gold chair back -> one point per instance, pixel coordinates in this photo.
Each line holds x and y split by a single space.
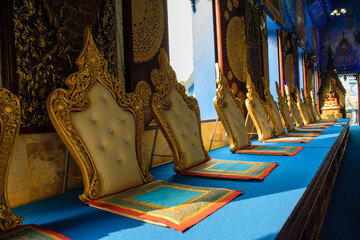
307 107
313 103
293 109
100 125
301 107
256 108
231 113
10 118
178 116
273 111
284 109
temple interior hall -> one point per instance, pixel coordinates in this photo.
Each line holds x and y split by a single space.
179 119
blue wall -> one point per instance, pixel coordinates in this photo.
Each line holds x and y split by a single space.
273 61
204 58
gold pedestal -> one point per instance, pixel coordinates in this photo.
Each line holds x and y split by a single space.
331 113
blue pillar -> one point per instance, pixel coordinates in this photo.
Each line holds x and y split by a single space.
204 58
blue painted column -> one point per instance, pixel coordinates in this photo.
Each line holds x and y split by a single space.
204 58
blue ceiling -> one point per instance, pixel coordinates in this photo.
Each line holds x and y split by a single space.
320 10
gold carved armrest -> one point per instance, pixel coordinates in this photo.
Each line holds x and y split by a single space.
299 121
9 129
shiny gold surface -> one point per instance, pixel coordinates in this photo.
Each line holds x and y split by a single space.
164 79
147 28
293 108
220 103
48 37
9 127
60 103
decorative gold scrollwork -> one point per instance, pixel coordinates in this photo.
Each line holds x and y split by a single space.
147 28
9 129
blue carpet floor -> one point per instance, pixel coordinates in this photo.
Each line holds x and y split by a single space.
342 219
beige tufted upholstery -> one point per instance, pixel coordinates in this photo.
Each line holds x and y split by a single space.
258 115
108 134
183 123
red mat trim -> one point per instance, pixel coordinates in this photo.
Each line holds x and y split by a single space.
45 231
269 153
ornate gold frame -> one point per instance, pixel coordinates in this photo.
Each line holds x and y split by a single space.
60 103
164 79
302 108
307 104
290 126
251 95
273 111
10 119
293 108
220 103
312 96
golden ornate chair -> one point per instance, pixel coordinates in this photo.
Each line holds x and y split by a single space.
100 125
294 109
302 108
284 109
231 113
10 118
257 112
313 103
307 107
178 116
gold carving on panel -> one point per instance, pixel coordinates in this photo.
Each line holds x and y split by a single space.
48 37
164 79
92 67
9 129
236 47
147 28
275 8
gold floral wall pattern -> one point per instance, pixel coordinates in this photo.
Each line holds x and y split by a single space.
48 37
147 28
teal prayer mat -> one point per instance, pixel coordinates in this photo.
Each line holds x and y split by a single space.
32 232
168 204
232 169
271 150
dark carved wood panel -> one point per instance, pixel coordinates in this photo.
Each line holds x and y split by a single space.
139 70
45 39
290 61
239 44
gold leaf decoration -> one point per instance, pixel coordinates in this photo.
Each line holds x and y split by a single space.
235 47
147 28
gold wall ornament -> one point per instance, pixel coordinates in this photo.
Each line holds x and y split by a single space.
9 130
275 8
236 47
164 80
148 28
60 103
48 37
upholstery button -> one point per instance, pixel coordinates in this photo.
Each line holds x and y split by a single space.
121 119
93 120
125 140
103 98
110 130
118 159
102 146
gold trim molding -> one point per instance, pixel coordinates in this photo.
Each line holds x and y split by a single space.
9 130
